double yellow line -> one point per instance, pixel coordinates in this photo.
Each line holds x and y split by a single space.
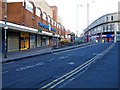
61 79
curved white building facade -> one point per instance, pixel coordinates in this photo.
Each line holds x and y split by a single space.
104 29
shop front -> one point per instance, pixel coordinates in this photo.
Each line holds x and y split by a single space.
108 38
33 40
24 40
39 41
13 41
45 41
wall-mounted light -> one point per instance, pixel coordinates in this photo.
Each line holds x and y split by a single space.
33 17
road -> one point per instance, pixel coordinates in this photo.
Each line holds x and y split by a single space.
66 69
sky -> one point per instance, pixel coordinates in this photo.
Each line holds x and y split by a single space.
67 11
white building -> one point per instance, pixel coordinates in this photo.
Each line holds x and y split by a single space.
104 29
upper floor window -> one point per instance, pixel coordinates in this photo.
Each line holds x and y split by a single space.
55 23
48 19
111 27
112 18
106 27
44 16
38 12
52 21
29 6
107 19
118 26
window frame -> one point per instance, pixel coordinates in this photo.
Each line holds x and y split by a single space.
44 16
29 6
36 12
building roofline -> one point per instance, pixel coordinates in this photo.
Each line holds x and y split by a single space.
98 19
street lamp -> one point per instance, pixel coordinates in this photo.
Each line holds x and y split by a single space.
116 29
5 29
77 20
88 20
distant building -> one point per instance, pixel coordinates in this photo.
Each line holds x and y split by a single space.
104 29
70 35
119 10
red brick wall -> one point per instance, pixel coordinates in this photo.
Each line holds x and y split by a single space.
55 12
1 10
15 13
19 15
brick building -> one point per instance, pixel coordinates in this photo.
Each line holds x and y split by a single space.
30 25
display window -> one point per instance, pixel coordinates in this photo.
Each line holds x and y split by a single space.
24 41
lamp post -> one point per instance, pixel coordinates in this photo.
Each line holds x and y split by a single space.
116 25
5 29
77 20
87 37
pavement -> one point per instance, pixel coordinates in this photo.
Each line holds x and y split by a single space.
18 55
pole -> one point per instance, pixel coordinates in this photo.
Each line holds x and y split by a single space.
77 22
5 30
115 33
87 21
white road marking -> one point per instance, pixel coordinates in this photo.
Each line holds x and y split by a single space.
51 60
60 58
4 72
69 54
29 67
71 63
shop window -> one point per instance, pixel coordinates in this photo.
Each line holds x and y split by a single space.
44 16
24 39
38 12
29 6
32 41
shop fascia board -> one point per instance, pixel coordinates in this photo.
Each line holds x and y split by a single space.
24 28
18 27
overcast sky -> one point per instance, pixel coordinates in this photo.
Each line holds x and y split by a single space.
67 10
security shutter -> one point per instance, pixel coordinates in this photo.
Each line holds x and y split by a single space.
13 41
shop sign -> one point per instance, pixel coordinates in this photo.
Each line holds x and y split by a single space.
48 27
109 35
